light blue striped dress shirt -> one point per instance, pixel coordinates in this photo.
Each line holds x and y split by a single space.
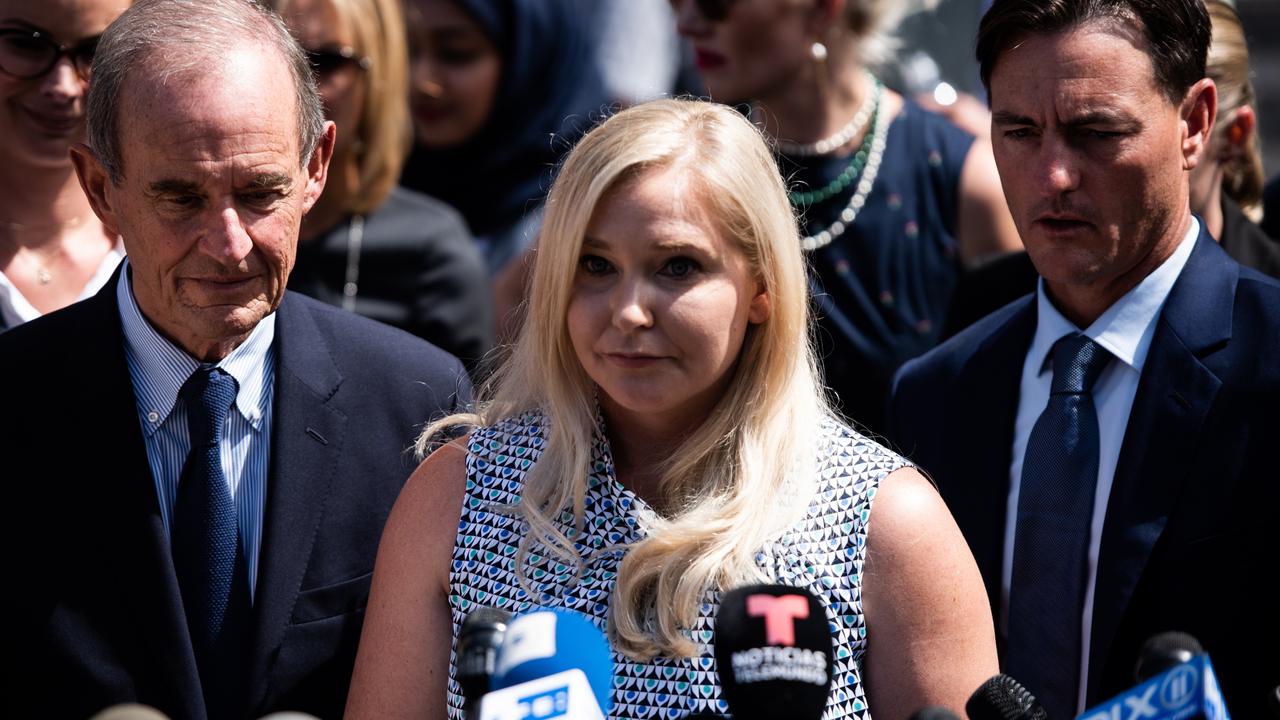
158 369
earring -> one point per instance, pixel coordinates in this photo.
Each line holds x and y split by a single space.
818 51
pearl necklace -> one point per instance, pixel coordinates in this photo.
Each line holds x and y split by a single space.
845 178
830 144
879 131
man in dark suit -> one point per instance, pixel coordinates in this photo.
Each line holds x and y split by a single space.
1108 444
198 464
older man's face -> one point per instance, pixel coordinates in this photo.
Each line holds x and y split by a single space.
212 196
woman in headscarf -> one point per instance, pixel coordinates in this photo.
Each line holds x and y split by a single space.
500 90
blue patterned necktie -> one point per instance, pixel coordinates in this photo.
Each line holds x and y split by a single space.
1051 542
207 553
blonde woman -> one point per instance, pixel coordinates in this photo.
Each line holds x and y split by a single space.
659 436
371 247
1226 188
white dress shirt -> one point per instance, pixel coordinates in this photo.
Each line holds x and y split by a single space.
158 369
1125 330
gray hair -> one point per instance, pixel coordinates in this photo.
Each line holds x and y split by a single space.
167 38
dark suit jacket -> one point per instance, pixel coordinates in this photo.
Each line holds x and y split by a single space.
92 613
1189 540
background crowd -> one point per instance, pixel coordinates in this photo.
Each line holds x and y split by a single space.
449 148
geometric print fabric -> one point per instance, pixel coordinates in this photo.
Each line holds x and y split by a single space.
823 553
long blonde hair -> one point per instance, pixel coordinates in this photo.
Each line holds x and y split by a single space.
384 132
1228 65
745 474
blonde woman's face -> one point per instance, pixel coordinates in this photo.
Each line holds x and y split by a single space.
660 304
330 41
753 52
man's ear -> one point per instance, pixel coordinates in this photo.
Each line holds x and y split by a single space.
1198 111
318 166
95 182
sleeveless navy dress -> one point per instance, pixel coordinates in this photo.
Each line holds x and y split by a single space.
881 290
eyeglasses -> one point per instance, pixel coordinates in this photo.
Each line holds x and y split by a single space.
29 54
713 10
327 61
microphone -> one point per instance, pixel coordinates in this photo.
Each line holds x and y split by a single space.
552 664
1184 690
478 641
1163 652
1003 698
773 652
933 712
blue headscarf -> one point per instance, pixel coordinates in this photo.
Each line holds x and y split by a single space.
549 93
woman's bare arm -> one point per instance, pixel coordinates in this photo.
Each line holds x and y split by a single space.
930 639
402 667
986 228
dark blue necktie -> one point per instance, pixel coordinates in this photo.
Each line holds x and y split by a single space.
1051 542
207 554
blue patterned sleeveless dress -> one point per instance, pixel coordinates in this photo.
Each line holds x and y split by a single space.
823 553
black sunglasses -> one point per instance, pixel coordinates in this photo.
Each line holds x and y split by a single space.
31 53
327 61
714 10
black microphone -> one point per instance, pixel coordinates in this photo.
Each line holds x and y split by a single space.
1176 681
1003 698
933 712
1163 652
773 653
478 641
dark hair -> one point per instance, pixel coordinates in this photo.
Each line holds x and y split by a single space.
1177 33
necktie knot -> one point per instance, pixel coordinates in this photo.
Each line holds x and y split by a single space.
1077 363
209 393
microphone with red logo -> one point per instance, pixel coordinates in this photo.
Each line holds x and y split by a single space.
773 652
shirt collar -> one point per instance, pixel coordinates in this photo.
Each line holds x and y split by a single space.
1127 327
165 367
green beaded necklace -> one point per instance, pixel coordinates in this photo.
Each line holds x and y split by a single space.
851 171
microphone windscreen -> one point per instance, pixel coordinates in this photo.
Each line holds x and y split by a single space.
130 711
933 713
547 642
476 656
1164 651
1003 698
773 652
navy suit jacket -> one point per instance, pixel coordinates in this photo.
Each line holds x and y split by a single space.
92 613
1189 541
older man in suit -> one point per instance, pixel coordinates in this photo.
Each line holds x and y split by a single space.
198 463
1108 444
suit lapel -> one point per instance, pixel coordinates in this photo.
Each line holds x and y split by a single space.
984 405
1175 393
306 443
132 511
